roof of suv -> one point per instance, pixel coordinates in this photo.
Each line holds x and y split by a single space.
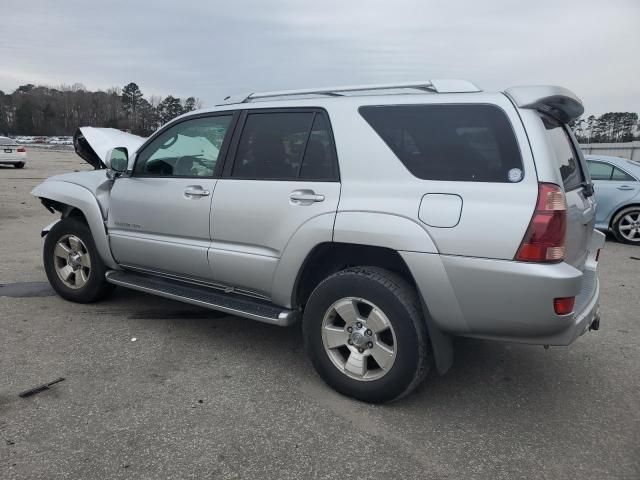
557 101
432 86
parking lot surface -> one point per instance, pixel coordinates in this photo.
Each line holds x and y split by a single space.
200 394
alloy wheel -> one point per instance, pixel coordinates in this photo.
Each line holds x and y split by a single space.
359 339
72 261
629 226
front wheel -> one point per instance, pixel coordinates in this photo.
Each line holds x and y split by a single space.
626 226
74 268
365 334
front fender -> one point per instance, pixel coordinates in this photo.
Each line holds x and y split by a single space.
79 197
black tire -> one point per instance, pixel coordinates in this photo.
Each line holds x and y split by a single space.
19 165
399 302
617 221
96 287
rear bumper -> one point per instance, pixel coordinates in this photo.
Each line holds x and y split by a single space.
12 162
507 300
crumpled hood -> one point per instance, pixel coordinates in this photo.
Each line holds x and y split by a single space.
92 143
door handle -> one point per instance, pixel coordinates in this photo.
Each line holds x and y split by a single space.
305 197
625 187
196 191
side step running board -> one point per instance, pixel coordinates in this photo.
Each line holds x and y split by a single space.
233 304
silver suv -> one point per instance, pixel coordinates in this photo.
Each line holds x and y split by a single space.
388 218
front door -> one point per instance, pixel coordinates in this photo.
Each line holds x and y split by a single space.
284 173
159 216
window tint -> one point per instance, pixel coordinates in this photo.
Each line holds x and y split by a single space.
188 149
472 143
621 176
566 157
271 145
599 170
319 160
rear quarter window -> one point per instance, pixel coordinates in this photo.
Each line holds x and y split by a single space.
470 143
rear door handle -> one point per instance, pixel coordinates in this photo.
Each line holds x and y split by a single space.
305 197
625 187
196 191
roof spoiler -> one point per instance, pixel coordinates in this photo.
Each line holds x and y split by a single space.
558 102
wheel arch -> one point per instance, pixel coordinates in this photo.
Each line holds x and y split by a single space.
72 200
330 257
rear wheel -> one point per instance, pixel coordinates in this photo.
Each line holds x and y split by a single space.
626 226
19 165
365 335
74 268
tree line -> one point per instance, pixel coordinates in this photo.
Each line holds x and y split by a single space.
47 111
612 127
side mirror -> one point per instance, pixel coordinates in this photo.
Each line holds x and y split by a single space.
117 160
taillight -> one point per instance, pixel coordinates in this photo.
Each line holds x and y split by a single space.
545 237
21 149
564 306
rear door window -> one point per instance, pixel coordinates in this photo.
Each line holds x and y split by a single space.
286 145
319 161
469 143
566 157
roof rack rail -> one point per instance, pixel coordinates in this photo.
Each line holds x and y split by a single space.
433 86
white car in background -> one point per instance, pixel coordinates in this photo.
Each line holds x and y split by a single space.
11 153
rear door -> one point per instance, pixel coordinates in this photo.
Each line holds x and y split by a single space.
581 205
284 173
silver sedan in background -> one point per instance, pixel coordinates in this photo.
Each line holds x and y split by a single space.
11 153
617 184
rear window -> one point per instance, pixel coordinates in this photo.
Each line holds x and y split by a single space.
469 143
7 141
568 163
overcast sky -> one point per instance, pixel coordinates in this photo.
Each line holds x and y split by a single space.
210 49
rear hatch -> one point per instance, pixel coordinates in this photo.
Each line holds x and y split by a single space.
556 107
578 190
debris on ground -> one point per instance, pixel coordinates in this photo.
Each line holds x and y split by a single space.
40 388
